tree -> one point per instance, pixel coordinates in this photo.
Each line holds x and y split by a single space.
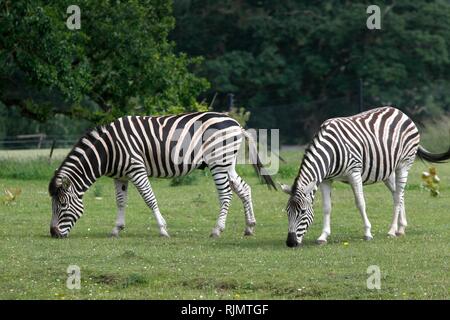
295 63
120 61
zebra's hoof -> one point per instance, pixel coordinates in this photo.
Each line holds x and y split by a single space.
251 223
321 241
400 233
392 234
248 232
214 234
114 234
368 238
163 233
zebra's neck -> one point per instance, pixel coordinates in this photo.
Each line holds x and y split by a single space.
314 167
83 165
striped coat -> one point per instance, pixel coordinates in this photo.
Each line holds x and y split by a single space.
373 146
134 148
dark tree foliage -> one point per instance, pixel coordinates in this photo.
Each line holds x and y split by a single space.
295 63
120 61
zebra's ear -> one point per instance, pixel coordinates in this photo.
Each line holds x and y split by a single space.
309 188
286 188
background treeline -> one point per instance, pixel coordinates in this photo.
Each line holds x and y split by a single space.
292 64
120 62
295 63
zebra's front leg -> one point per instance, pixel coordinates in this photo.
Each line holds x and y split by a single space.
325 189
121 187
357 186
244 192
140 180
223 188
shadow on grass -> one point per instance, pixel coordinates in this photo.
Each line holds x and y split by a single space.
227 243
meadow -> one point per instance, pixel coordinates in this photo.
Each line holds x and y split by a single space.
191 265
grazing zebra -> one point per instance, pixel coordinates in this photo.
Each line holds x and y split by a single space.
133 148
377 145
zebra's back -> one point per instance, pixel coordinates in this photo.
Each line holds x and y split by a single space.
171 146
378 141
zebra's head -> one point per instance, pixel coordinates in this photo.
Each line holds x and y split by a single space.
67 206
300 212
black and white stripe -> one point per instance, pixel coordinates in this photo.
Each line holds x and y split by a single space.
133 148
373 146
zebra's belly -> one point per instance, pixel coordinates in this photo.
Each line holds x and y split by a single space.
368 176
174 170
347 180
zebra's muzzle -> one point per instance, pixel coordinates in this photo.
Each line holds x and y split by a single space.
291 241
54 232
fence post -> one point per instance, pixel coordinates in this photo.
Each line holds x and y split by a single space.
211 105
51 151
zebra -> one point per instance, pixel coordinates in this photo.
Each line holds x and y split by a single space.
133 148
377 145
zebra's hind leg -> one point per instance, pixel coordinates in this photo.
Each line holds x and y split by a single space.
220 176
244 192
399 222
121 187
390 184
357 186
402 223
140 180
325 188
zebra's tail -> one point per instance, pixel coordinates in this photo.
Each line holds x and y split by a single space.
423 154
256 161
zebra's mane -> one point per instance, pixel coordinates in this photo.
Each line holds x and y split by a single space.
52 187
305 154
322 128
97 131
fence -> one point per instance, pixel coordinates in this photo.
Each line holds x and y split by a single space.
36 141
298 120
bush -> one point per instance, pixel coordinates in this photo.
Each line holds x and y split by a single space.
240 115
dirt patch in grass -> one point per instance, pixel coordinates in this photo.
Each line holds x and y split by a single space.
107 279
133 279
204 284
297 292
277 290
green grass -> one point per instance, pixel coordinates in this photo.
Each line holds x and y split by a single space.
30 164
190 265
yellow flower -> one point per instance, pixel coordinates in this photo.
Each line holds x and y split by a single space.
431 181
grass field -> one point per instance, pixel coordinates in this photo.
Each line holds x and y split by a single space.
30 154
190 265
